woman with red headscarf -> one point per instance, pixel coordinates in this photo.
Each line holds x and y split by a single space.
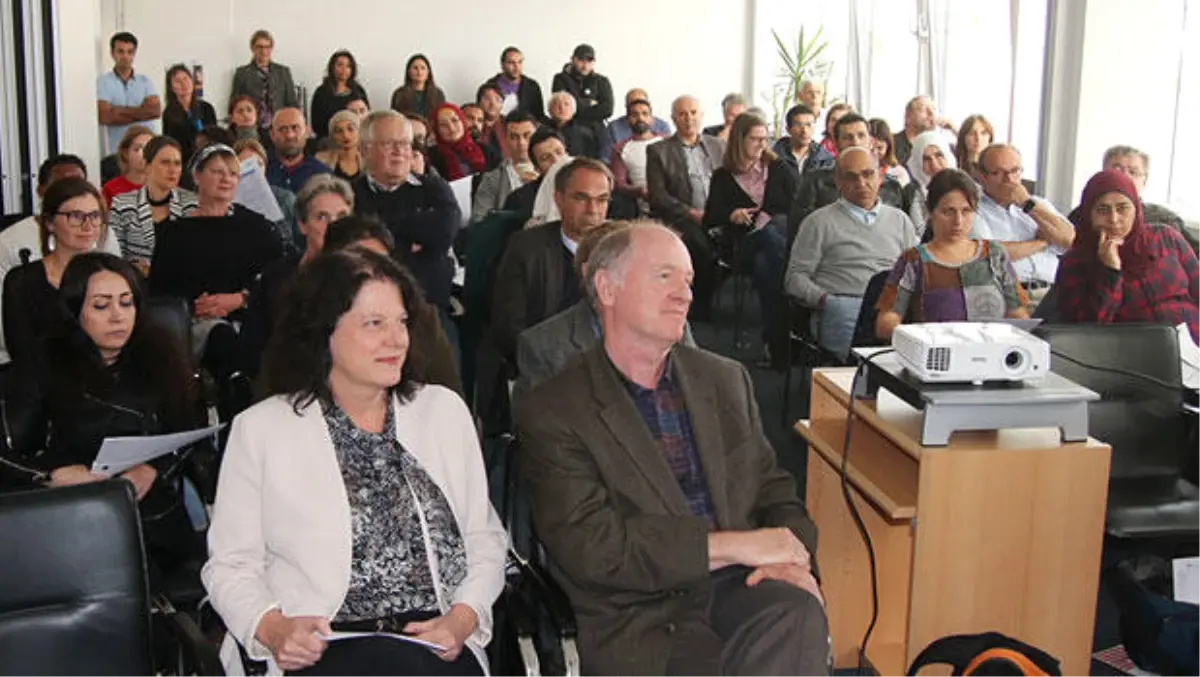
457 154
1121 269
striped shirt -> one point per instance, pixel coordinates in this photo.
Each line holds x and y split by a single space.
132 221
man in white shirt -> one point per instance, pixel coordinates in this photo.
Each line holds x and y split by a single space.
21 243
628 159
1032 231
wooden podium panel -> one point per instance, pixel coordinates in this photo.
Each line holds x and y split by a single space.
1000 531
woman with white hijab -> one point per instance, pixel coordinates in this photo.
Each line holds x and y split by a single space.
930 154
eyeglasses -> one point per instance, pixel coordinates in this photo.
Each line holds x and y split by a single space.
327 217
1129 171
77 219
1014 173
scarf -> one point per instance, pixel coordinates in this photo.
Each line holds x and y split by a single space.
1136 257
916 166
455 153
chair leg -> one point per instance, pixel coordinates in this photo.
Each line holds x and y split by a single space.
737 310
787 386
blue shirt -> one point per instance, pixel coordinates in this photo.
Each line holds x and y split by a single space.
125 94
863 216
294 178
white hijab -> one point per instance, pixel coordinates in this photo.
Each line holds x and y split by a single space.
544 208
915 160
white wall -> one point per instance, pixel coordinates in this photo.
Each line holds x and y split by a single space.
78 29
638 43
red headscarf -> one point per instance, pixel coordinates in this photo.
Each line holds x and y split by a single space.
1135 253
457 152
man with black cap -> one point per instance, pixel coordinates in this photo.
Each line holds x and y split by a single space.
593 92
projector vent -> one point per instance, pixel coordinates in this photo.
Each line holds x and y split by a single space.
938 359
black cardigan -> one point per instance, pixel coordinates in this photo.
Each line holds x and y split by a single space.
181 126
725 195
32 310
325 103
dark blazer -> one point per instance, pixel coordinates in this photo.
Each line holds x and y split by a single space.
183 126
817 189
667 176
535 280
529 97
404 101
725 195
246 80
627 549
581 139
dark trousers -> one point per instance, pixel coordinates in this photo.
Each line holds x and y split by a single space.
765 253
773 628
704 264
386 656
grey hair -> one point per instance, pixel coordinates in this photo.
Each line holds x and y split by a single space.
561 95
1121 151
612 254
857 149
322 184
346 116
733 99
366 130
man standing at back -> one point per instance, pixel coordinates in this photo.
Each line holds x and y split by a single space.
518 91
124 97
268 83
679 540
592 91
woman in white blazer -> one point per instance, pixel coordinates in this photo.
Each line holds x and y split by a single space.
354 498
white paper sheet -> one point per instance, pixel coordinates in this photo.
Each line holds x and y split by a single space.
118 454
253 192
1187 579
462 193
338 636
1189 358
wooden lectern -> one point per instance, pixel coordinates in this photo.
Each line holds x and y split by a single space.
998 531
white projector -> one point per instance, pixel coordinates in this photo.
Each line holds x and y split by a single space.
955 352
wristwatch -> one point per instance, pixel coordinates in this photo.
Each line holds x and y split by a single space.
1028 206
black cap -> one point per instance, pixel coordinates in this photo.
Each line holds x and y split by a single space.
584 52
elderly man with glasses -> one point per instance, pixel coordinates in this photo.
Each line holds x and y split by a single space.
1032 231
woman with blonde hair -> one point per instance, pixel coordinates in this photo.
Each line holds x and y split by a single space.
131 163
343 158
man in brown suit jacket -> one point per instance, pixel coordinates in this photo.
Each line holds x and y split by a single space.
678 190
680 541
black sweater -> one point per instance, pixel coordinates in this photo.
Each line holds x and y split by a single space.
184 126
593 96
725 195
424 214
325 103
32 310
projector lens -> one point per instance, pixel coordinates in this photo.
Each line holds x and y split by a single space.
1013 359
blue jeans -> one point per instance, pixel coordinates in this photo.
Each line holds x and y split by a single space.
765 250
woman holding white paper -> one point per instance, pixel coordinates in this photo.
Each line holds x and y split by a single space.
355 498
106 372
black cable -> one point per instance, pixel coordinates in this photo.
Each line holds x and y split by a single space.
858 521
1174 387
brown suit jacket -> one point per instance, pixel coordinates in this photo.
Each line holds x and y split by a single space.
625 546
670 191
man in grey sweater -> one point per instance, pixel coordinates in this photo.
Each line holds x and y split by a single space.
840 246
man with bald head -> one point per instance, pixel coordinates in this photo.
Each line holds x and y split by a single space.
620 129
842 245
288 166
678 172
654 490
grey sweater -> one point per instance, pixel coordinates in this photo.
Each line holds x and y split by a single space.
835 253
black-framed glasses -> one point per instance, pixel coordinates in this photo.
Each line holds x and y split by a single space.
77 219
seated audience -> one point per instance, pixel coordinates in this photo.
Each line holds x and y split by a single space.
473 115
732 106
419 95
389 525
135 215
841 246
1123 269
515 171
457 154
798 149
580 138
619 129
489 101
211 258
288 166
818 188
881 144
73 213
185 114
930 154
105 371
628 160
648 510
678 173
286 228
243 119
829 136
535 278
213 134
1031 229
517 90
344 158
359 105
750 194
920 116
269 84
339 86
546 149
421 213
130 162
592 92
420 131
975 134
951 278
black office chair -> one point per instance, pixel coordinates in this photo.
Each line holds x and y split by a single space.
727 241
803 350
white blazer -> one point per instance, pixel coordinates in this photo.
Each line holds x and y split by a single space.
280 533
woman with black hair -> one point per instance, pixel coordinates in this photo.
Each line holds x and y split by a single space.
185 116
354 498
105 371
335 91
419 95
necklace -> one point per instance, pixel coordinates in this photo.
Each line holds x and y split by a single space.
158 203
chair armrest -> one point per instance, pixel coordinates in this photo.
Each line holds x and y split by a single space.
202 654
536 585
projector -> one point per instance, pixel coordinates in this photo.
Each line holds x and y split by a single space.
975 352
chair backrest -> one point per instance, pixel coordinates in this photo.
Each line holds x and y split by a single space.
864 328
173 315
74 598
1142 421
